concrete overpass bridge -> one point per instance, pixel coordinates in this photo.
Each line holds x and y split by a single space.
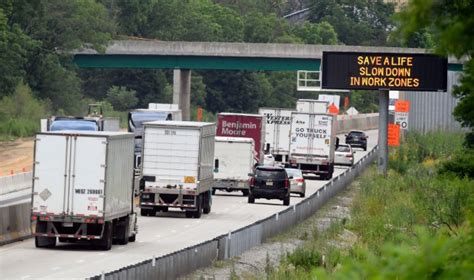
186 56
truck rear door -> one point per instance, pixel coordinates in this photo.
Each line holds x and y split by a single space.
88 176
50 174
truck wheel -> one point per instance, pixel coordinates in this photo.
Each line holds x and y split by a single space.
132 238
197 213
245 192
189 214
206 208
105 243
365 148
251 198
124 231
286 201
145 212
302 194
45 242
213 191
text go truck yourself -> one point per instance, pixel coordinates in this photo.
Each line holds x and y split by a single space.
83 188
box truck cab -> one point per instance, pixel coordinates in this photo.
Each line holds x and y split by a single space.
83 188
234 159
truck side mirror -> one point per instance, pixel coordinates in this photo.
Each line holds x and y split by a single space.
267 148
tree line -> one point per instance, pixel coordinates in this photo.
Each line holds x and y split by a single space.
36 38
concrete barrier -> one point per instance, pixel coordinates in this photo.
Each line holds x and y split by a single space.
17 182
235 243
15 223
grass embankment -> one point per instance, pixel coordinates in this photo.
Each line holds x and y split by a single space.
416 223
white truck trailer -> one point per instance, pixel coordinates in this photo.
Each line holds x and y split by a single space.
277 132
234 159
312 106
177 167
312 143
83 188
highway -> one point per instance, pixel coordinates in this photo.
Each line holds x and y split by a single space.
157 236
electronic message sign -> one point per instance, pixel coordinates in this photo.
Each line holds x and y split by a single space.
384 71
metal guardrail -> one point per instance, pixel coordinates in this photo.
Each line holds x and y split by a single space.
235 243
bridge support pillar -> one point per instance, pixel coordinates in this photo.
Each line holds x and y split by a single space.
182 91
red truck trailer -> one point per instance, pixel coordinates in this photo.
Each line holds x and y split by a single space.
243 125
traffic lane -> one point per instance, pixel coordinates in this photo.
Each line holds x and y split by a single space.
157 236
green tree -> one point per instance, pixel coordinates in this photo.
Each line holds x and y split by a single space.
14 47
121 98
362 22
453 30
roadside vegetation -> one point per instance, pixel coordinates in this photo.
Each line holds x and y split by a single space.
416 223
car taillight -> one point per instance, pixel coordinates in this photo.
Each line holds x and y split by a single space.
349 156
287 183
300 180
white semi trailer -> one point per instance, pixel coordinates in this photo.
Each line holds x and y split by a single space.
83 188
177 167
312 143
312 106
234 159
277 132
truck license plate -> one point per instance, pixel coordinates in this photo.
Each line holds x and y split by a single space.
68 224
269 184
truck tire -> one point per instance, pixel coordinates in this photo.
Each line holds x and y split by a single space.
365 148
286 201
45 242
123 231
245 192
213 191
145 212
251 198
189 214
105 243
206 208
197 213
132 238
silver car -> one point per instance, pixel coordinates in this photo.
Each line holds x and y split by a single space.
297 182
344 155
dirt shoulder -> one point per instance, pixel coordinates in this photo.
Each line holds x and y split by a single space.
16 156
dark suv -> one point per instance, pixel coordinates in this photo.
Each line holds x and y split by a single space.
269 182
357 138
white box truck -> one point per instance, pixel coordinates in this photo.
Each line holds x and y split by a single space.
177 167
312 143
83 188
277 132
234 159
312 106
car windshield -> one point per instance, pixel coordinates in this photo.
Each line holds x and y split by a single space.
73 125
357 133
344 149
138 118
273 174
294 172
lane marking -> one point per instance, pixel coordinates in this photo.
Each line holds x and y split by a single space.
173 231
186 226
55 268
101 254
158 236
79 261
141 241
121 248
26 276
